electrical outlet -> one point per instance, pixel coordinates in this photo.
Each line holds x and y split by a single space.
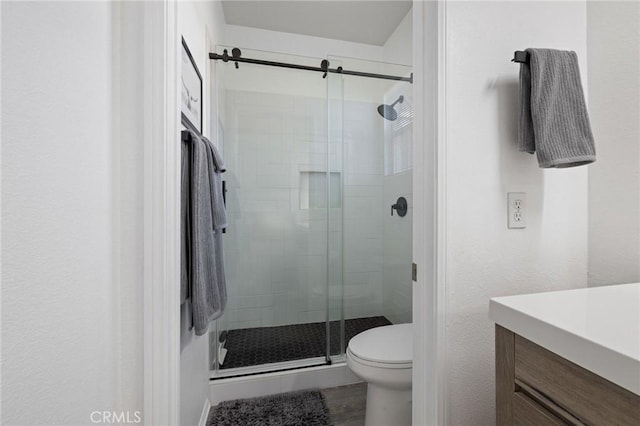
517 209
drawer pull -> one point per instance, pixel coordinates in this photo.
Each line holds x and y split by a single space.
547 403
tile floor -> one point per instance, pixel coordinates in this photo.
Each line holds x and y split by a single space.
264 345
346 404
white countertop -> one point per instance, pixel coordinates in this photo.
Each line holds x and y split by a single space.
597 328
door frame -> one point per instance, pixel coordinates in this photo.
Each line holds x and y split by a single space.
429 224
162 153
162 213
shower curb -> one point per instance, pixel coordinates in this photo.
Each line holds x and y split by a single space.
325 376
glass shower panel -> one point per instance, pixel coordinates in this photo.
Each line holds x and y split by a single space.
376 170
274 122
335 335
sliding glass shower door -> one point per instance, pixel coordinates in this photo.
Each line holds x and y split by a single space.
312 255
273 130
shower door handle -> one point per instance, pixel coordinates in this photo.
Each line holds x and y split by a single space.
224 200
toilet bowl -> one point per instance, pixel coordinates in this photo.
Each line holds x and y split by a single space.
383 357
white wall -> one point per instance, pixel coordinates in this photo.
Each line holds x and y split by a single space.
297 44
201 25
128 205
398 49
614 179
484 258
60 308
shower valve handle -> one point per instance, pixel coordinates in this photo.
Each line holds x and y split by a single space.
400 206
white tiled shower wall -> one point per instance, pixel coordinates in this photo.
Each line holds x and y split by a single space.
397 231
397 250
276 252
363 135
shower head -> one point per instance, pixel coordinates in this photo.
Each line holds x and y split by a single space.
388 112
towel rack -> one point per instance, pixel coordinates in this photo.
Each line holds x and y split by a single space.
520 56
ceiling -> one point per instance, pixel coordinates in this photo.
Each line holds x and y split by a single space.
369 22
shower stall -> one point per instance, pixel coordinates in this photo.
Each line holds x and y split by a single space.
318 246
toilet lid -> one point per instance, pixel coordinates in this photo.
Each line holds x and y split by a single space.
390 344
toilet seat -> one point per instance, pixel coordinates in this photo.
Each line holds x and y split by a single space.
389 346
374 364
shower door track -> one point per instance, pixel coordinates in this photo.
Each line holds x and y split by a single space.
323 68
275 367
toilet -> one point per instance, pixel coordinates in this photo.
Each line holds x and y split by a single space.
383 357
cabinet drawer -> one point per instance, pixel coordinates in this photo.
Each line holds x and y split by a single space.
587 396
526 412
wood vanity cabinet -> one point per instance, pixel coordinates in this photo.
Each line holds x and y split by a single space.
535 387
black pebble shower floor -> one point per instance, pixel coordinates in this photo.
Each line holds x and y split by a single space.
264 345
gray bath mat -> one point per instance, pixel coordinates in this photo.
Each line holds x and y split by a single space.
303 408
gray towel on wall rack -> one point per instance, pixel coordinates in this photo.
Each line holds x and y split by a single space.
554 122
217 158
202 279
185 223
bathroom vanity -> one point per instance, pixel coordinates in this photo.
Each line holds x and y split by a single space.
568 357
